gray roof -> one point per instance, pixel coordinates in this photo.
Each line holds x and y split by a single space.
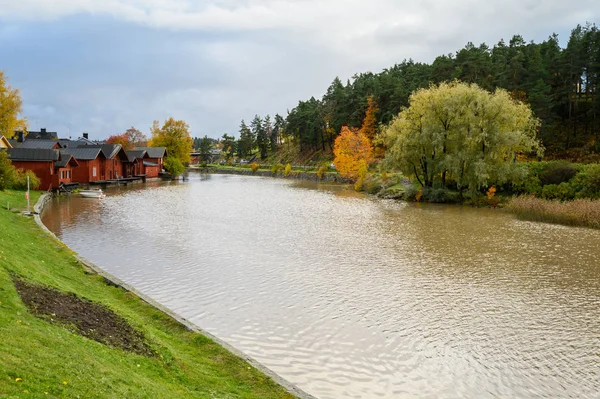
64 160
132 155
109 150
41 144
82 153
41 135
154 152
148 163
32 154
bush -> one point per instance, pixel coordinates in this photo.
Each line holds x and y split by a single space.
276 168
441 195
173 166
557 172
254 167
20 182
7 171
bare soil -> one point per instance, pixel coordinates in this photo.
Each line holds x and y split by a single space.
89 319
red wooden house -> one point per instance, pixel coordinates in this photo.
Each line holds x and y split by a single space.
91 164
154 163
63 170
115 160
42 162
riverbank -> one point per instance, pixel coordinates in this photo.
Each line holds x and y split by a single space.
309 175
55 353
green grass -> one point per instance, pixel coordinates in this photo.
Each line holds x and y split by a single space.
41 359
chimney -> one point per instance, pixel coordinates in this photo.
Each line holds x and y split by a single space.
86 136
21 137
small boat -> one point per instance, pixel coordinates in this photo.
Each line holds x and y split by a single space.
92 194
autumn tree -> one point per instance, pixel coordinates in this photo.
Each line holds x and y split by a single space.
460 133
369 125
174 135
120 139
10 109
136 137
353 151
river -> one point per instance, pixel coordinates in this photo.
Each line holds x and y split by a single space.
349 296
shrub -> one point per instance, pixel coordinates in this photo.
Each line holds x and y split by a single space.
173 166
7 171
20 182
288 169
254 167
276 168
557 172
441 195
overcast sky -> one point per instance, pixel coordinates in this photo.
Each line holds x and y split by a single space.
103 66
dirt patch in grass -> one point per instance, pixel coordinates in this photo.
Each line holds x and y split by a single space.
89 319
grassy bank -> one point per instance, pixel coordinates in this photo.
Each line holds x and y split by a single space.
580 212
40 356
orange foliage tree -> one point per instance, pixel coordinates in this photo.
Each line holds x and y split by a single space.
120 139
352 150
369 125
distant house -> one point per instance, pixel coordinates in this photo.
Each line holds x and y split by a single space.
39 161
4 143
91 161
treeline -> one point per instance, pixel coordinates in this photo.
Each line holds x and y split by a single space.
558 83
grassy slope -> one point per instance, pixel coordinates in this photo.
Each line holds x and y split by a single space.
51 361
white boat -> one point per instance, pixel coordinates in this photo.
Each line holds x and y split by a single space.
92 194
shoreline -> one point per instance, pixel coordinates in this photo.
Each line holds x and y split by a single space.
88 265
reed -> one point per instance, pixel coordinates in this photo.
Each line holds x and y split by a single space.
579 212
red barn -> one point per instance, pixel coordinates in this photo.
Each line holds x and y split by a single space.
154 163
115 160
39 161
91 164
63 170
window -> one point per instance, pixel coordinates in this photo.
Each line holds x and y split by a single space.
94 171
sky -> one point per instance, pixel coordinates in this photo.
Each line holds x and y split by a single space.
103 66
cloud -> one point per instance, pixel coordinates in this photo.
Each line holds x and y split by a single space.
102 66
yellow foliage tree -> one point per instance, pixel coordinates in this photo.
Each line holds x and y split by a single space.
352 149
10 109
175 136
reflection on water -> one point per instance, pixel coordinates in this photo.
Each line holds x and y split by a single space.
352 297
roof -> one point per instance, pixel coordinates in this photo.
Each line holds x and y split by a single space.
4 143
82 153
132 155
41 135
32 154
109 150
148 163
39 143
154 152
66 159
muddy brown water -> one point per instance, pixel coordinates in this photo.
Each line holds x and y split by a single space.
352 297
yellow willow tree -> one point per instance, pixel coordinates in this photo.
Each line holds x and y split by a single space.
460 134
10 109
175 136
353 152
